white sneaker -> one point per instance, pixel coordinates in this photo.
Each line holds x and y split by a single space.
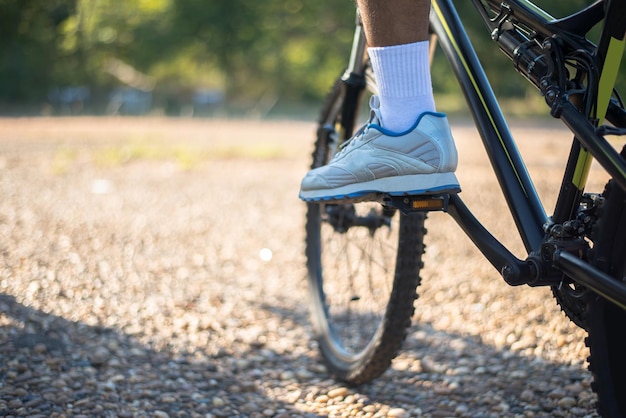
419 161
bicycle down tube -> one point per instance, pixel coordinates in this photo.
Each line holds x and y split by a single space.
515 182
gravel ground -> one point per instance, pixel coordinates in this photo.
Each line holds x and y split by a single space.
133 283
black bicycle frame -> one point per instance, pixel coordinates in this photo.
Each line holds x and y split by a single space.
515 182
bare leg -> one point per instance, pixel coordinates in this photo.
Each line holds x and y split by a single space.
397 36
394 22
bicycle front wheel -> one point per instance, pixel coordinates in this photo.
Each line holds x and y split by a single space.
363 263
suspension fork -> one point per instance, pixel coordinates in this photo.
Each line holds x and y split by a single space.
353 80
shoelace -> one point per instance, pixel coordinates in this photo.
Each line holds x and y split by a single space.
375 117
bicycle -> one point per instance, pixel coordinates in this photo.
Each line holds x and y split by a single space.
579 251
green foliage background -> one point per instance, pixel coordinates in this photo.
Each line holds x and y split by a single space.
287 50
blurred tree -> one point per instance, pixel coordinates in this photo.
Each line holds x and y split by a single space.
104 32
28 46
276 45
254 51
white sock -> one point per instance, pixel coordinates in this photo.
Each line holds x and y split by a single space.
403 77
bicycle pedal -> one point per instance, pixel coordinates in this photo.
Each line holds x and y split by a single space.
418 203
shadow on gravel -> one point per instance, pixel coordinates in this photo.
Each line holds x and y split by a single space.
458 374
52 366
446 374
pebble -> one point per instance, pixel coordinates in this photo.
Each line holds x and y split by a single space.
397 413
40 348
338 392
527 395
567 402
218 402
100 356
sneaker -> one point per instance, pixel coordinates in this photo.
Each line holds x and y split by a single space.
419 161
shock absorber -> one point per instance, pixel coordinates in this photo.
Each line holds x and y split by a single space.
528 56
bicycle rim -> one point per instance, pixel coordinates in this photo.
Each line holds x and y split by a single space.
363 262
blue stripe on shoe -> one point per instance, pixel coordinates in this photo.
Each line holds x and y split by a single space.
354 195
417 122
449 188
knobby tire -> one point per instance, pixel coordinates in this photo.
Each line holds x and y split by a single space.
379 334
604 320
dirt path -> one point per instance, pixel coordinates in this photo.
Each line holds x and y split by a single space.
131 282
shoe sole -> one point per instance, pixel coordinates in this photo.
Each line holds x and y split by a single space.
434 183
